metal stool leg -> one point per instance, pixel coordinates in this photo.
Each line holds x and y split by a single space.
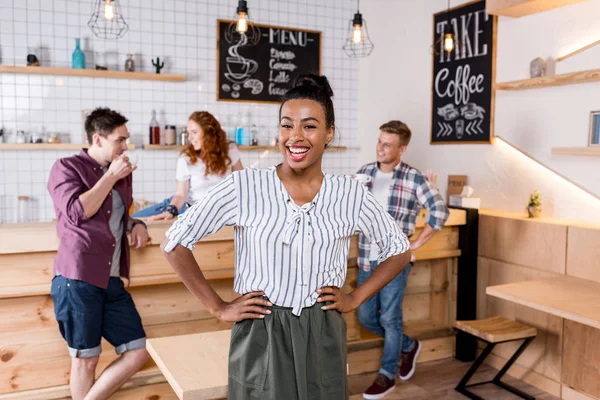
462 385
509 364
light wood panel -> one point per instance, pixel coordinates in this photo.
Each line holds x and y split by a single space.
570 394
583 253
572 78
9 69
577 151
524 242
581 363
544 354
159 391
570 298
520 8
368 359
527 375
41 236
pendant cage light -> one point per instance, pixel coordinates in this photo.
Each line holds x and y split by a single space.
446 42
241 26
358 44
107 22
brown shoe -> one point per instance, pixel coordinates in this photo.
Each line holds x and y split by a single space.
409 362
381 387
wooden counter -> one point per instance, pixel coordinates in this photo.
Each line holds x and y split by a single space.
544 272
30 340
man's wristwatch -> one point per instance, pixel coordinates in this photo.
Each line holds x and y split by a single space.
172 210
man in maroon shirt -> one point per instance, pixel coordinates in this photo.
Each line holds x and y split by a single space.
92 193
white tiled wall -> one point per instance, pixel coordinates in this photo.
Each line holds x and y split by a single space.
183 33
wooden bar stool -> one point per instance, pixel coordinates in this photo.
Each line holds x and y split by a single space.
493 331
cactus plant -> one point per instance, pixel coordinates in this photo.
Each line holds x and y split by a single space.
158 65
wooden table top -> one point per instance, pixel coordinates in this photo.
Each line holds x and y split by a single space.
570 298
194 365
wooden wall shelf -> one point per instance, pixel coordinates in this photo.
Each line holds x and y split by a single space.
520 8
577 151
245 148
9 69
572 78
48 146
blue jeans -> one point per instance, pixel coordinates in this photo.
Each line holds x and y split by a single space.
388 323
157 209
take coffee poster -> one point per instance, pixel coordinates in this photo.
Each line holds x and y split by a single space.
463 78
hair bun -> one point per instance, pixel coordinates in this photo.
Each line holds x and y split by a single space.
318 81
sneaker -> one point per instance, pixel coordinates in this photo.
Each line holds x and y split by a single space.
409 362
381 387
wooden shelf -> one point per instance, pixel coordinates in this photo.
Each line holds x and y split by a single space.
520 8
9 69
577 151
572 78
246 148
48 146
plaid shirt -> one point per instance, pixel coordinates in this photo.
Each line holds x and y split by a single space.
408 194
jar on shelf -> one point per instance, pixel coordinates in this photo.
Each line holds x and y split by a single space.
170 135
24 209
21 137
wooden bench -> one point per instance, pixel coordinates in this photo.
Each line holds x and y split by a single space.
493 331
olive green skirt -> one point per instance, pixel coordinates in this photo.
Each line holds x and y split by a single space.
285 357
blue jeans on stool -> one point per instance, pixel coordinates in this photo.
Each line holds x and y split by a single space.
157 209
387 324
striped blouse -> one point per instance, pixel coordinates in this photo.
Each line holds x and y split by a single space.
288 251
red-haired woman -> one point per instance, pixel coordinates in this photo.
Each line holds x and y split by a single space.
204 162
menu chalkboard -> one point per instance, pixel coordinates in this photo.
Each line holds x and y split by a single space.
463 79
264 72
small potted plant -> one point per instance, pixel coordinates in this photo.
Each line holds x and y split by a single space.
534 208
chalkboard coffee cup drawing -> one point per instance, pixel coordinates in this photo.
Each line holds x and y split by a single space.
463 78
265 71
362 178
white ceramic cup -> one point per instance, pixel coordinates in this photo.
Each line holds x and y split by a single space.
362 178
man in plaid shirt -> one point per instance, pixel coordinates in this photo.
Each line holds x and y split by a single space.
403 190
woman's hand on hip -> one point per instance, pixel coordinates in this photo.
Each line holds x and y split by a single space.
342 302
249 306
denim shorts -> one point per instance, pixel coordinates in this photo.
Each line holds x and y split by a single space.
86 313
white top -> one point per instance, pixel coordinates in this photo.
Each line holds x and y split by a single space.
283 249
381 190
200 184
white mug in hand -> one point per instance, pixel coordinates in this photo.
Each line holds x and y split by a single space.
362 178
133 159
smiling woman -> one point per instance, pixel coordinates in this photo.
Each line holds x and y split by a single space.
293 225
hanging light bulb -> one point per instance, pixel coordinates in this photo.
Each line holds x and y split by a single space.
448 42
358 43
109 11
357 34
242 23
242 26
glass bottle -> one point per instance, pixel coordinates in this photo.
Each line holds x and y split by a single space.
154 129
170 135
129 63
78 58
